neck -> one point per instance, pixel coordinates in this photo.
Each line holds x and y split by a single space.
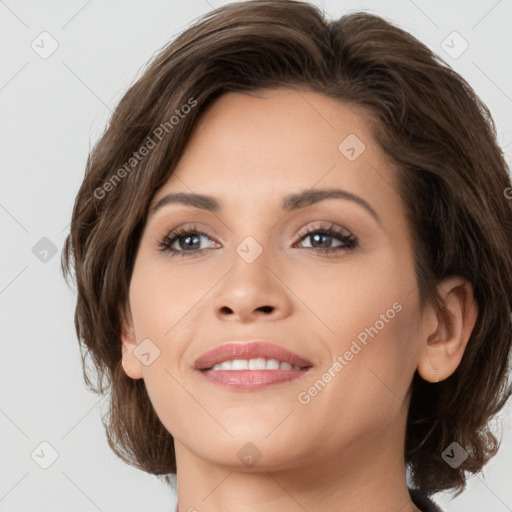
367 474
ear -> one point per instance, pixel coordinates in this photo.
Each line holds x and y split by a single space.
446 333
131 364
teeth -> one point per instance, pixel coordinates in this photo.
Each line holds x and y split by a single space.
272 364
259 363
240 364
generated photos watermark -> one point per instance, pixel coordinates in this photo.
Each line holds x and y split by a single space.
150 143
305 397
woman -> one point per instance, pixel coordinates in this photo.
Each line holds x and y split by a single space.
291 249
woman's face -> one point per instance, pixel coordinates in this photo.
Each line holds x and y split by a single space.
349 305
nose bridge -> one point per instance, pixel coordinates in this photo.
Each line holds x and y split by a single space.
251 286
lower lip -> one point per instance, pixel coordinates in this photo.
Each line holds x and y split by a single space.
251 380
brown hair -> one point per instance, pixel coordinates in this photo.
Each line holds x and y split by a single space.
452 177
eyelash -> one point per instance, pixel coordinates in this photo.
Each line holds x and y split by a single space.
349 241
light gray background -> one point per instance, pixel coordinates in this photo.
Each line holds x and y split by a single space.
53 110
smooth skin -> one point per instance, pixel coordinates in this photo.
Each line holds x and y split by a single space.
343 450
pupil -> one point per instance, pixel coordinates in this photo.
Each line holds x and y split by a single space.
318 236
192 237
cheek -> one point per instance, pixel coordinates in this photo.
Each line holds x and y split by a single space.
165 303
370 390
156 314
380 357
162 297
371 315
358 293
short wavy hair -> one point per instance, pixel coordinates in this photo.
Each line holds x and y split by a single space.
453 178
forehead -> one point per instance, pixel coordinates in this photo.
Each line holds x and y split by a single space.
276 130
261 146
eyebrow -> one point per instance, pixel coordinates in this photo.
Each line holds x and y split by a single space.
290 202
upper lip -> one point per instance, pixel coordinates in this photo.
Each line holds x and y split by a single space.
249 350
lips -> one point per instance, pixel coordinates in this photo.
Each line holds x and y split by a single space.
252 350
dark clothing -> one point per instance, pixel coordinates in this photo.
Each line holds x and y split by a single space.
422 501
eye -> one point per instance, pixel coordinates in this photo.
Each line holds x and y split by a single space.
321 238
188 239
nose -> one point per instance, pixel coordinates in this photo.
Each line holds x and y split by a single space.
252 291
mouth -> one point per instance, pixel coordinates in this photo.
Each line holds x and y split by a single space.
255 364
251 366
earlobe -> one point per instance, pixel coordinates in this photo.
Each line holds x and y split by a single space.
131 364
442 349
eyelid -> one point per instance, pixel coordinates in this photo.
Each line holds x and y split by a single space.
305 230
189 226
323 225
